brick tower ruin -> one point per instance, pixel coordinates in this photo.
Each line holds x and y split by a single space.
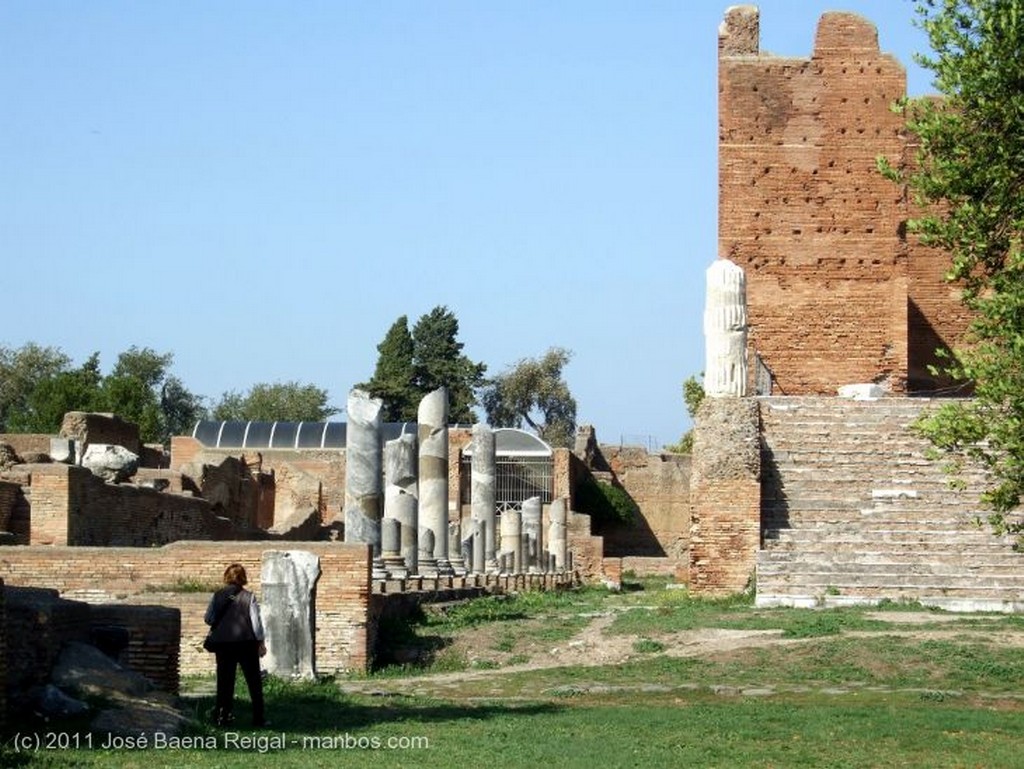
837 291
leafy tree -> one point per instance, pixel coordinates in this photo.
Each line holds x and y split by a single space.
37 388
132 390
394 377
287 402
693 394
533 391
968 179
46 404
21 370
181 409
438 361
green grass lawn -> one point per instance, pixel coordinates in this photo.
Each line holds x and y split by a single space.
841 689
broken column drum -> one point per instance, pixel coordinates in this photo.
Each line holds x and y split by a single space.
432 417
532 539
511 540
363 482
401 495
725 331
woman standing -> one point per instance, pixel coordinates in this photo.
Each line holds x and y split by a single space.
237 636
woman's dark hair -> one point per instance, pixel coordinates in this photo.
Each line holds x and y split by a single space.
235 575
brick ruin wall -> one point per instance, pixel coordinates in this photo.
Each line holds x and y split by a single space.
836 291
302 479
27 443
71 506
725 526
121 579
660 486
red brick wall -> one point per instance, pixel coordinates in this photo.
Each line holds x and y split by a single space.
71 506
660 486
9 493
725 493
724 536
26 443
154 640
150 576
835 295
310 477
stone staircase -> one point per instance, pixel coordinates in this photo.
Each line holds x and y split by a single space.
852 511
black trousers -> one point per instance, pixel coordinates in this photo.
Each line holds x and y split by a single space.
230 656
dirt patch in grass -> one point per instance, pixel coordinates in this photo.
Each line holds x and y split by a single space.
484 659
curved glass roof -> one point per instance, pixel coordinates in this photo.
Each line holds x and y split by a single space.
284 435
513 442
508 441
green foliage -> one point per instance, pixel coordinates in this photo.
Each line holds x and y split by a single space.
648 646
438 361
21 371
39 388
606 503
394 377
410 366
693 394
967 178
46 404
533 391
279 402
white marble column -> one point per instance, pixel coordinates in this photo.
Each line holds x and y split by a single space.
483 492
558 533
725 331
432 416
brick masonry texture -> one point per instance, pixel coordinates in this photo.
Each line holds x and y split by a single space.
837 292
157 576
725 524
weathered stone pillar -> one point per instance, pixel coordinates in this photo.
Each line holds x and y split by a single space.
558 533
287 582
363 482
432 416
533 543
511 539
455 556
477 546
427 561
725 331
400 495
390 543
483 463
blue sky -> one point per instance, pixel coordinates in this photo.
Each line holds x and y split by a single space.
262 188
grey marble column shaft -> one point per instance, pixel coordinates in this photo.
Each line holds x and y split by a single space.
363 481
483 491
532 537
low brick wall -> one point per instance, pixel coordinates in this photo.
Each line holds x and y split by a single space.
154 639
27 443
71 506
156 576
